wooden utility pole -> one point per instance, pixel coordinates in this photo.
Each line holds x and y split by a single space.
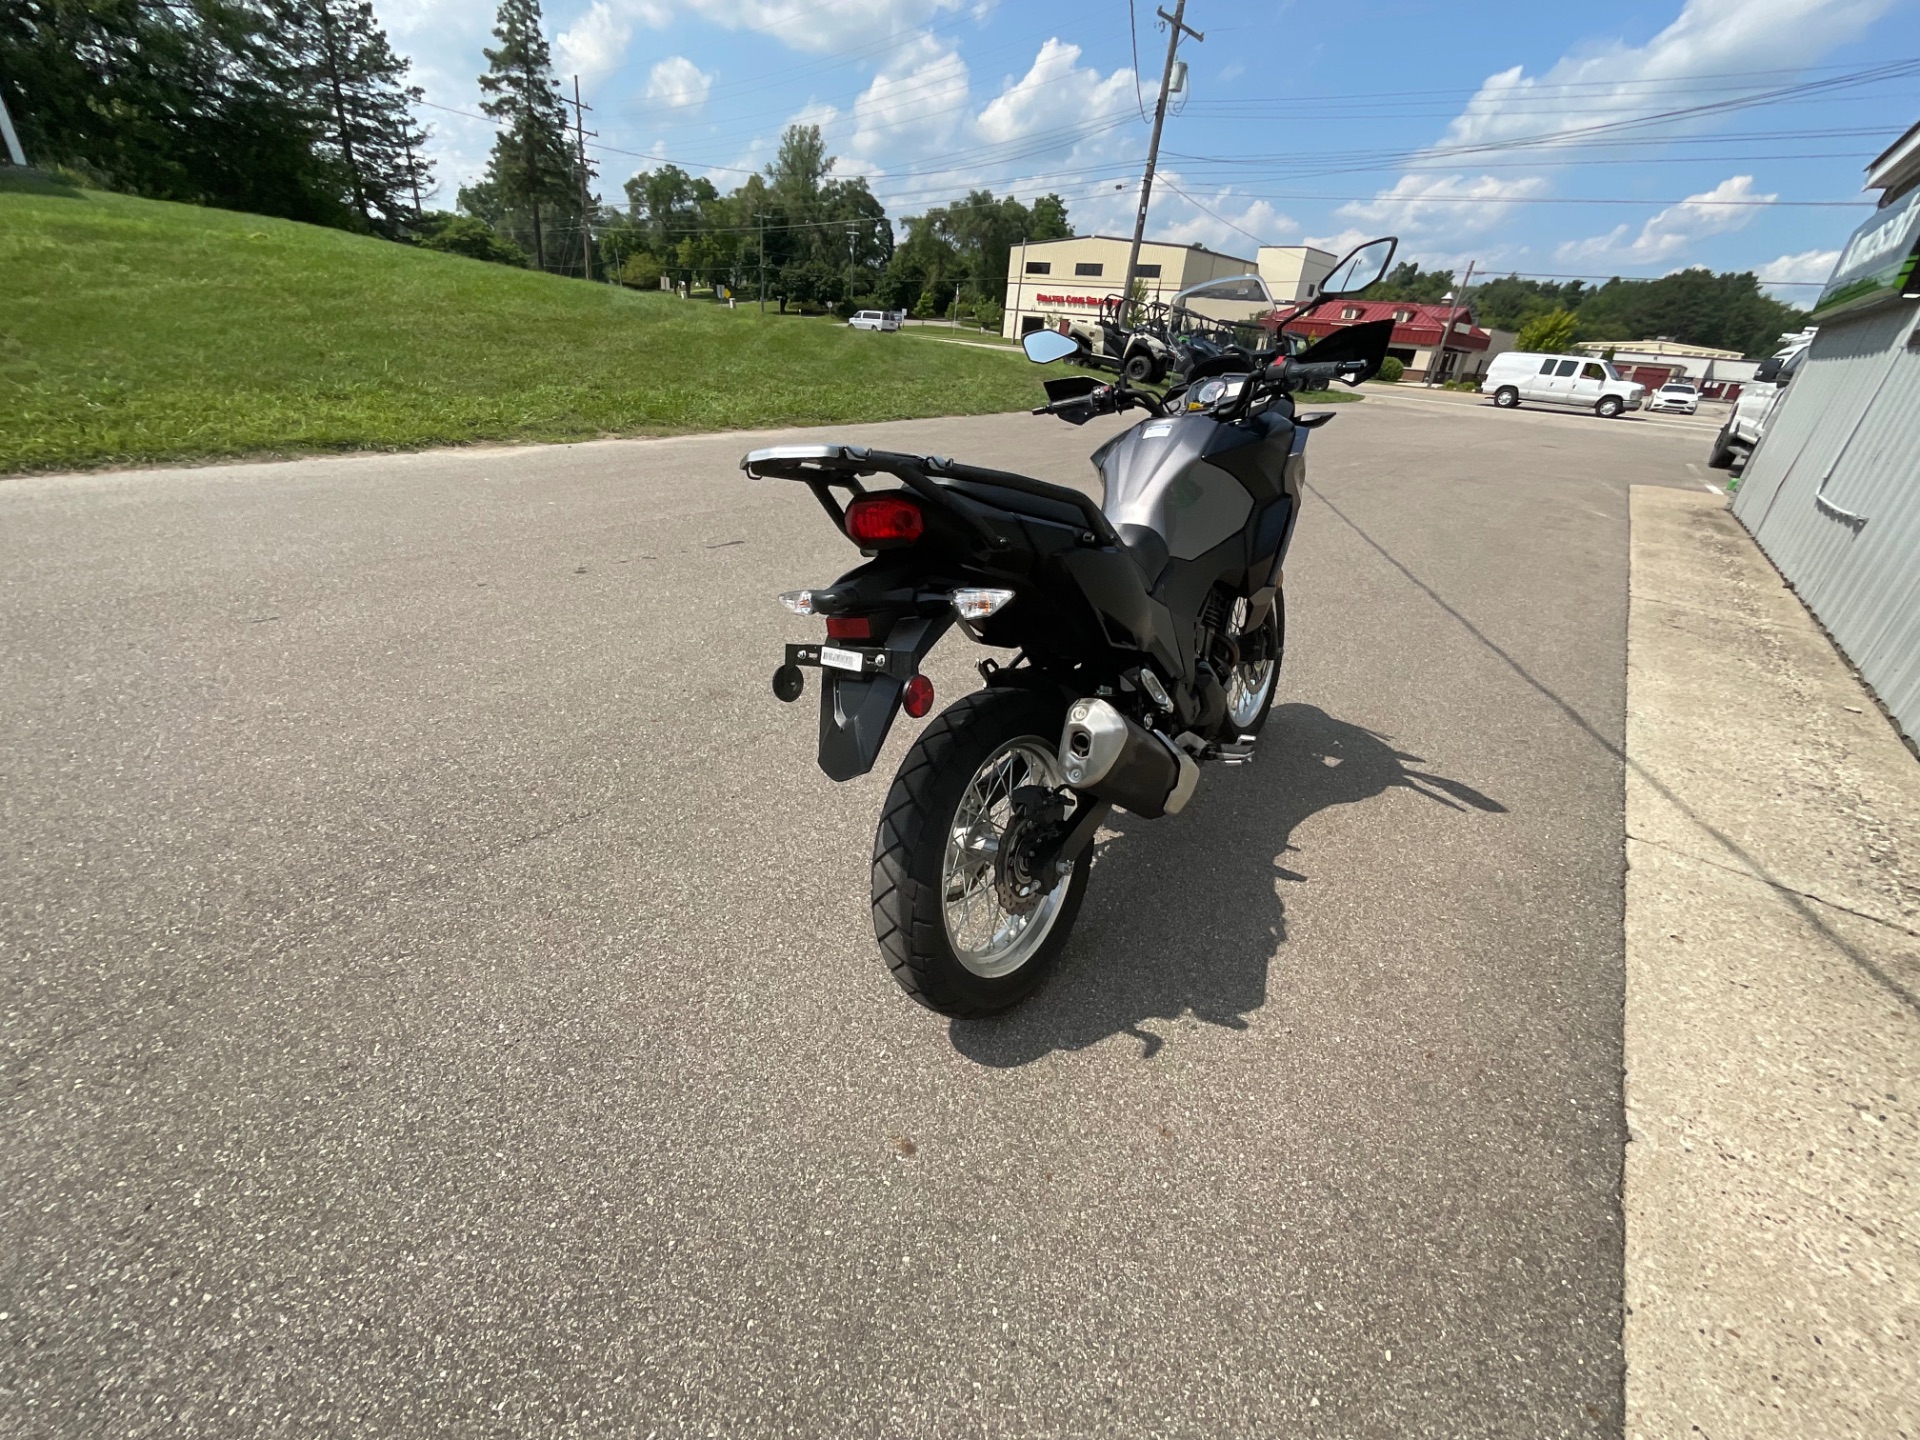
761 217
1176 26
580 133
1446 333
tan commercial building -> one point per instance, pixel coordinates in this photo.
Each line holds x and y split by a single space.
1294 272
1719 374
1053 280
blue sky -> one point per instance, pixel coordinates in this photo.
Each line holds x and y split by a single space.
1470 130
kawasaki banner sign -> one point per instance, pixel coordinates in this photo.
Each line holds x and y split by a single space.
1878 262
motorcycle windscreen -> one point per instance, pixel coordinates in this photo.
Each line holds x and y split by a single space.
1366 343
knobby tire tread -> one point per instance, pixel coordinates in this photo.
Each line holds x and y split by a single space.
910 943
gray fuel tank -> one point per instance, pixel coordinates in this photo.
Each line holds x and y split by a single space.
1157 476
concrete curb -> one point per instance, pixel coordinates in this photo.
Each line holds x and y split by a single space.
1772 1189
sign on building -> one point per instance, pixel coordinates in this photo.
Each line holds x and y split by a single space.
1877 262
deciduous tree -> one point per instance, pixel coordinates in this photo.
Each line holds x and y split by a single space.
1548 333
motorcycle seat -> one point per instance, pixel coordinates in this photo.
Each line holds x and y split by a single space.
1038 507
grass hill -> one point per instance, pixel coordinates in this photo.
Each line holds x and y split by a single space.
135 331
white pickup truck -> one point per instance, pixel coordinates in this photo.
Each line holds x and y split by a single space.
1751 412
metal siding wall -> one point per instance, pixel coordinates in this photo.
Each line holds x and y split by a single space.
1851 419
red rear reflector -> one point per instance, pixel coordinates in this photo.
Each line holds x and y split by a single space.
878 519
849 627
918 696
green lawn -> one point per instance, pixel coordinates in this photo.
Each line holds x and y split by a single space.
133 332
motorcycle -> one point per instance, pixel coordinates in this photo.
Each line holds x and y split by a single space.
1149 631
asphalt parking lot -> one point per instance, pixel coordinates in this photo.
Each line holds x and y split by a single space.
440 997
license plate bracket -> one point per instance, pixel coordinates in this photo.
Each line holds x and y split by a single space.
869 662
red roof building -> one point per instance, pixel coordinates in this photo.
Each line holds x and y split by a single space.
1417 329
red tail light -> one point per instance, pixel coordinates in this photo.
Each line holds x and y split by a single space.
849 627
884 520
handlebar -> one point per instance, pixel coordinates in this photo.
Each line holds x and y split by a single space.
1284 374
1106 400
1292 375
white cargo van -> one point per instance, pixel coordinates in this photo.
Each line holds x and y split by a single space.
875 320
1577 380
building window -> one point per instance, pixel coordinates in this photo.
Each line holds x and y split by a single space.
1350 312
1401 317
1039 267
1147 272
1086 267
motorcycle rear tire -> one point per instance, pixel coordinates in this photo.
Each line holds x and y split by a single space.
910 855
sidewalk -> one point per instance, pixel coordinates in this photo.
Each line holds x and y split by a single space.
1772 1008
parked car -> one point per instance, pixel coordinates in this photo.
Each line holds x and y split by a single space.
1675 395
1751 412
875 320
1560 380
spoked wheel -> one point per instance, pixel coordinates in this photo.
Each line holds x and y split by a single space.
964 924
1251 684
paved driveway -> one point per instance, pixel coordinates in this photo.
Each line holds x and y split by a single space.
439 998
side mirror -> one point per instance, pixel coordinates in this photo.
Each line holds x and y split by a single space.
1043 347
1359 268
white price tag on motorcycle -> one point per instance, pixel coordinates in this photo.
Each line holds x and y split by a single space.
842 659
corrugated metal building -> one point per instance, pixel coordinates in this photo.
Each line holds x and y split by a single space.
1832 492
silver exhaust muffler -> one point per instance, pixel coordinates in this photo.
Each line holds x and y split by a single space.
1112 758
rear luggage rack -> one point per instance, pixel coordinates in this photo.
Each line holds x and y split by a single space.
821 466
807 462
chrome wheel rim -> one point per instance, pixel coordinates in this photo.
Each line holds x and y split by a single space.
987 939
1248 685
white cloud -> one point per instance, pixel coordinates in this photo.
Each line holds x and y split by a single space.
919 100
1607 83
1231 228
1677 228
595 45
676 83
811 26
1056 92
1445 207
1792 277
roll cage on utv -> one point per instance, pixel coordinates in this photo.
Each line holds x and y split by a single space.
1144 341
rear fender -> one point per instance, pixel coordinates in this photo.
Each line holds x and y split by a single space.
856 711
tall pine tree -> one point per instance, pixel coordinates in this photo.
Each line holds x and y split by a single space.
356 86
531 164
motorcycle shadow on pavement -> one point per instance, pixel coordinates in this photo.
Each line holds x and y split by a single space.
1184 915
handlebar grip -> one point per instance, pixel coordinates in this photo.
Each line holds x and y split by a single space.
1300 376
